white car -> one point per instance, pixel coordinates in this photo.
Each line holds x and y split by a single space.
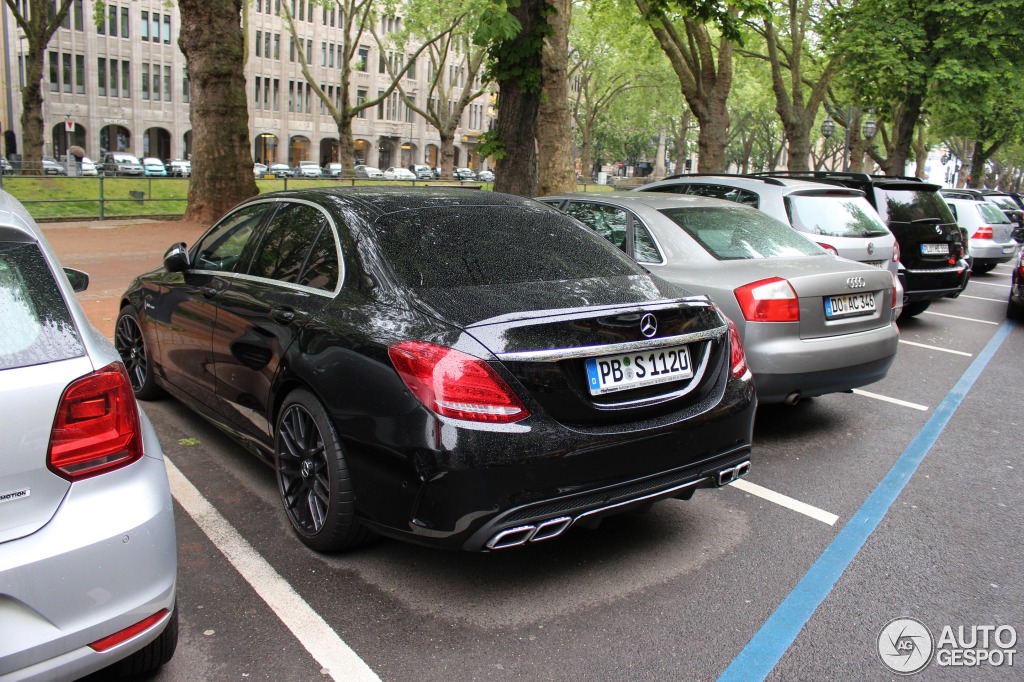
399 174
89 166
179 168
309 169
333 170
258 169
368 172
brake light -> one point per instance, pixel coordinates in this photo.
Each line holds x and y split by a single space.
769 300
738 359
97 427
828 247
456 384
896 252
984 232
113 640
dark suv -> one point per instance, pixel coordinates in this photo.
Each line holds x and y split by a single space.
933 260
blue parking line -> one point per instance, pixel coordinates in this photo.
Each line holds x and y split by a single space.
778 633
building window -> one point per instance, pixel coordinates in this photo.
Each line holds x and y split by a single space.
124 23
259 43
330 54
277 97
80 74
323 54
79 16
113 78
145 25
101 71
266 89
380 106
54 73
298 97
363 59
145 81
126 79
361 100
167 29
277 46
112 14
291 49
259 86
266 44
291 95
66 63
167 83
156 82
186 87
155 30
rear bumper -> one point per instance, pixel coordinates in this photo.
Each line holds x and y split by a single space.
105 561
926 285
986 251
818 366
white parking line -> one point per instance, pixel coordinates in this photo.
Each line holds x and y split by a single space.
982 298
785 501
965 319
894 401
337 659
990 284
944 350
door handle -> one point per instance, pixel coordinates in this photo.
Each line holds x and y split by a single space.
209 292
283 315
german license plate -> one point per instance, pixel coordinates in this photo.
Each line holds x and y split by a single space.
635 370
876 263
934 249
1008 248
849 305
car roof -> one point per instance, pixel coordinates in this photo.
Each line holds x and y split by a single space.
654 200
752 182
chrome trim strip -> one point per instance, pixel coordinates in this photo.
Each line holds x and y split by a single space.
660 493
935 271
654 400
597 311
557 354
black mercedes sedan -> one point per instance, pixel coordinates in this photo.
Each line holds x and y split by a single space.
451 367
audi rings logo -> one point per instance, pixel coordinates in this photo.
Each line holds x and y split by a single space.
871 248
856 283
648 325
905 646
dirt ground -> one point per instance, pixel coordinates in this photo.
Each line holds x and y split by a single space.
114 252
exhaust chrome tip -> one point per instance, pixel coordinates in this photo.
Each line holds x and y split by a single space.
551 528
727 476
511 537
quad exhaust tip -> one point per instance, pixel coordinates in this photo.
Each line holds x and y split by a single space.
727 476
520 535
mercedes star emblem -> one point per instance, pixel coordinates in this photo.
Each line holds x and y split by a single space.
648 325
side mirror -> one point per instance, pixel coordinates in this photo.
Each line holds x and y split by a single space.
176 258
79 280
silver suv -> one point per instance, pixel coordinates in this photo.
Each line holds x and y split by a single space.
838 219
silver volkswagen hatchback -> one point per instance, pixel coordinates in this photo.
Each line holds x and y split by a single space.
811 323
88 559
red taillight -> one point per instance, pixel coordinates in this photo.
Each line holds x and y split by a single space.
828 247
455 384
129 632
769 300
738 359
896 252
984 232
97 426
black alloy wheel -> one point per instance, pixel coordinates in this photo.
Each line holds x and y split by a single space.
131 346
313 477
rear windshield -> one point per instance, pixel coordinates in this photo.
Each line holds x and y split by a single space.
486 245
992 214
729 233
906 206
35 325
834 216
1004 202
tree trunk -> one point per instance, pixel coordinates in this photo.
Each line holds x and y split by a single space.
32 113
798 136
554 127
212 42
920 152
587 150
447 154
713 136
903 136
682 141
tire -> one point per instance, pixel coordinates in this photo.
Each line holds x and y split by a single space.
313 477
1014 311
915 309
131 345
982 269
154 655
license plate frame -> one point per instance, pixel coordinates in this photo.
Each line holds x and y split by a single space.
850 305
657 366
935 249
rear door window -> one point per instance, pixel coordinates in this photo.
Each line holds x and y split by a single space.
834 216
35 323
729 233
607 221
734 194
284 252
991 214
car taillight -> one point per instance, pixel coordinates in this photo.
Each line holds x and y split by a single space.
984 232
113 640
738 359
896 252
97 427
769 300
456 384
828 247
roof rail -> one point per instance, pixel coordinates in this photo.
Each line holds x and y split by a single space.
751 176
814 174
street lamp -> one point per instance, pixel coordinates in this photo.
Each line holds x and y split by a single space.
848 115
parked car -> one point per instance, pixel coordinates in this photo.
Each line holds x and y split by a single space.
259 169
178 168
333 170
88 167
88 557
1004 201
368 172
463 174
454 368
933 254
53 167
120 163
153 167
989 232
281 170
1015 305
485 176
309 169
394 173
811 323
838 219
5 166
422 171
